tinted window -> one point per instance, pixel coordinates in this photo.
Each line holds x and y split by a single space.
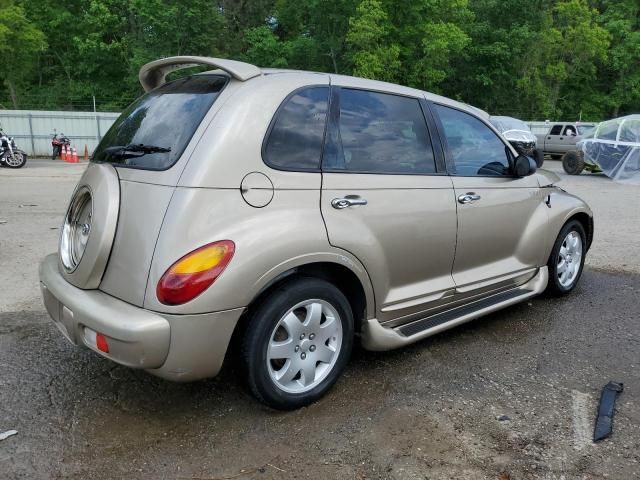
570 131
295 141
166 117
473 147
556 130
380 133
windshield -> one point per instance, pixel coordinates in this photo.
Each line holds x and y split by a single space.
160 124
504 124
584 129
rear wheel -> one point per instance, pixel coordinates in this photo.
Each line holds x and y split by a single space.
297 343
573 162
567 259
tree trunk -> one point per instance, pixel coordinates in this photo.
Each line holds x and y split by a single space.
12 93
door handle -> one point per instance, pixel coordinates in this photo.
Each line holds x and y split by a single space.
348 201
468 197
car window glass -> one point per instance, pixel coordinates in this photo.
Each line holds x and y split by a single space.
608 131
166 117
570 131
630 131
556 130
381 133
295 141
474 148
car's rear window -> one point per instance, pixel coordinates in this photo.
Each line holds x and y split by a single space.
166 117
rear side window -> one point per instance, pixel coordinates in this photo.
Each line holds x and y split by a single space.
473 147
297 132
556 130
166 117
381 133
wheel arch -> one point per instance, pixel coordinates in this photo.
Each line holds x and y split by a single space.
349 281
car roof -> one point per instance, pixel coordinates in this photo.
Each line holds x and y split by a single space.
154 74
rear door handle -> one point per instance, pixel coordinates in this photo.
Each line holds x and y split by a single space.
347 201
469 197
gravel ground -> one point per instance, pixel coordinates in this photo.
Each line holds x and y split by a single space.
510 396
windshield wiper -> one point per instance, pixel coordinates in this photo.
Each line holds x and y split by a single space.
134 150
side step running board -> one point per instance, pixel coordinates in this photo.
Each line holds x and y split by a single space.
378 337
449 315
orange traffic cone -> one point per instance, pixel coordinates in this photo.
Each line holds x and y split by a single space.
86 153
75 155
65 153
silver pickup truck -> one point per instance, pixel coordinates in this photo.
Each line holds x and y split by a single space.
561 137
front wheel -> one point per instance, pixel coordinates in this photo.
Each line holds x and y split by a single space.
573 162
539 157
297 343
17 159
567 259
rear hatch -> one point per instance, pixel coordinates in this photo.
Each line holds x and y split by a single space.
143 153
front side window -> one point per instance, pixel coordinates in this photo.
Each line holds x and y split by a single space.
380 133
295 140
570 131
473 147
153 131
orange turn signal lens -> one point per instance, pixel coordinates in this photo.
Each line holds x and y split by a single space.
194 273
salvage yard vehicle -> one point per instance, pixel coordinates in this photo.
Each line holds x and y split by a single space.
562 138
612 147
290 213
519 135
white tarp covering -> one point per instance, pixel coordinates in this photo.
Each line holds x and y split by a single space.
614 146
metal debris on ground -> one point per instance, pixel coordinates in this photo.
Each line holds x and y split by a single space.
606 409
7 434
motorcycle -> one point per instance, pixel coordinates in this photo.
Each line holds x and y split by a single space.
57 142
10 155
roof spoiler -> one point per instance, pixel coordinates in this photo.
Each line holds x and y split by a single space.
154 74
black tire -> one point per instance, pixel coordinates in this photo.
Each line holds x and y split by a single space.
555 286
262 323
539 157
573 162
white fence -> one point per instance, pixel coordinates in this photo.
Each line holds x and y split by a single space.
33 130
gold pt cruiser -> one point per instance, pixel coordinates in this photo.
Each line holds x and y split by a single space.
294 212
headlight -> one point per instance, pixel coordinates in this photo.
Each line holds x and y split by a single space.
76 229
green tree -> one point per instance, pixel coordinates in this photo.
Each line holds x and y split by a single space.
20 44
372 53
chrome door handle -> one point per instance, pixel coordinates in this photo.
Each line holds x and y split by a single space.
469 197
348 201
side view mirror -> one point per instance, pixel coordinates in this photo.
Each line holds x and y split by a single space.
524 166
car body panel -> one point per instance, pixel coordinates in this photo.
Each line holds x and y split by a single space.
135 240
502 233
407 217
260 254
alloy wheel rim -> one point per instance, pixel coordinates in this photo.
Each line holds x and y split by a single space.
14 160
569 259
304 346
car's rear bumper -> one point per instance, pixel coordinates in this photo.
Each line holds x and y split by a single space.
176 347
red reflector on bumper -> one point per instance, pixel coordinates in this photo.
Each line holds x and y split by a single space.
101 343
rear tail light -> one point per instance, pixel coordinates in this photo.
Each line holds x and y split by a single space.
194 273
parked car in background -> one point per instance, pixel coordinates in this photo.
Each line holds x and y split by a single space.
561 137
612 147
519 136
295 212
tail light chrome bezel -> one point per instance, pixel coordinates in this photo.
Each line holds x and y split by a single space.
76 229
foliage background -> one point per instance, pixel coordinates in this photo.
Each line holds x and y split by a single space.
534 59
